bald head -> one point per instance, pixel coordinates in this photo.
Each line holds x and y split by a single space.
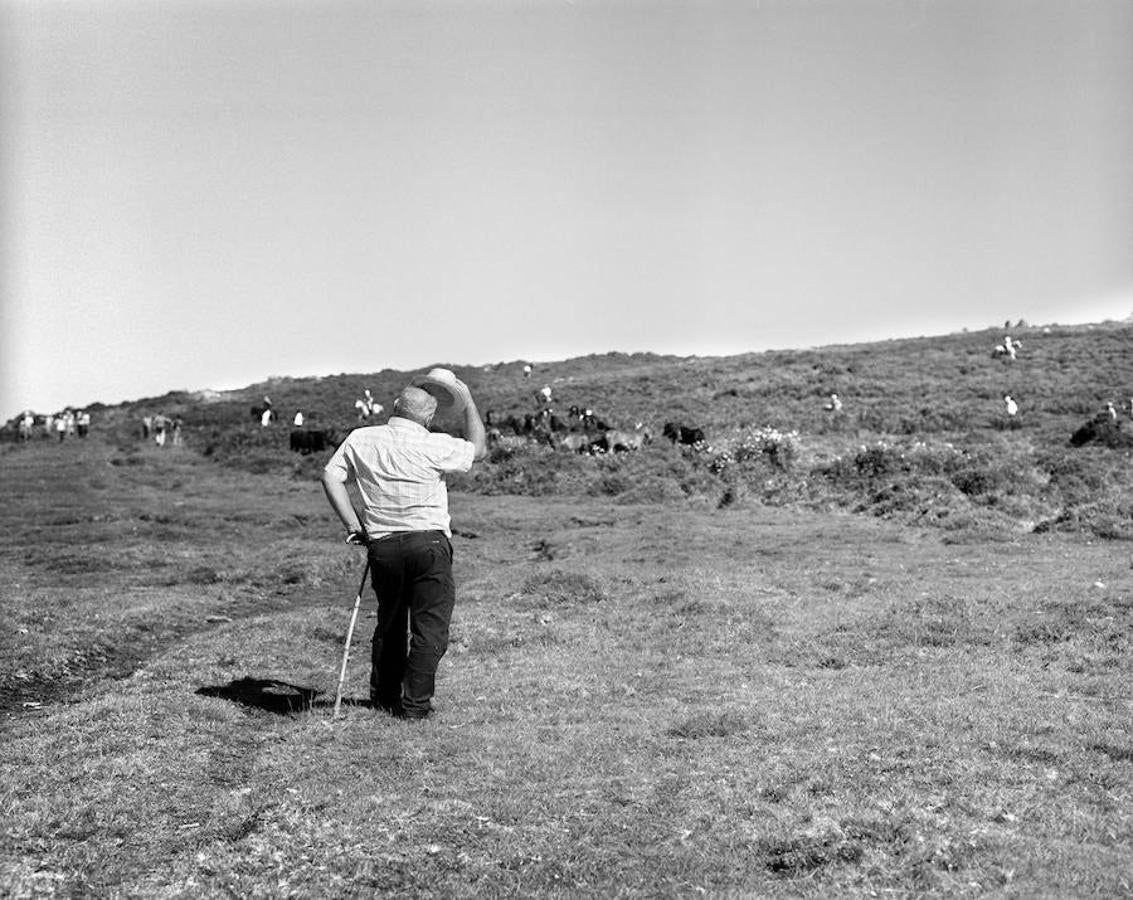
416 404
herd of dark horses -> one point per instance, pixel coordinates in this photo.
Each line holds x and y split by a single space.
579 431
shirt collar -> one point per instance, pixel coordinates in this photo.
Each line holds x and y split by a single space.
403 424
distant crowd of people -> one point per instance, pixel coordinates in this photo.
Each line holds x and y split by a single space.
60 425
365 408
163 430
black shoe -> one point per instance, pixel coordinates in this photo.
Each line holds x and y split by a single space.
394 709
416 716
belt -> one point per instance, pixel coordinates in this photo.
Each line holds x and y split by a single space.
401 535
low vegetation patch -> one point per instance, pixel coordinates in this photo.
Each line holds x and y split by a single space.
562 589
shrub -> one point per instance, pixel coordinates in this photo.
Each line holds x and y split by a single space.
1108 519
779 449
883 458
975 481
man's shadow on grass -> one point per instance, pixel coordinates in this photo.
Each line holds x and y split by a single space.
273 696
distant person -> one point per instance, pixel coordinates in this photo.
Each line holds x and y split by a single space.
160 423
1012 407
835 404
265 417
544 395
365 405
177 423
1109 408
399 470
48 425
27 425
69 422
299 419
373 407
61 428
527 370
147 427
84 423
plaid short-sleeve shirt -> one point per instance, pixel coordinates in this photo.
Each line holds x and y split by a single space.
399 469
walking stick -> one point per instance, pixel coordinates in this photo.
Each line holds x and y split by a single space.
349 635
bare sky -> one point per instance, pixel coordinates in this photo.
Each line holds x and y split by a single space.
205 193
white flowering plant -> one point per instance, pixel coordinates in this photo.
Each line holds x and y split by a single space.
778 448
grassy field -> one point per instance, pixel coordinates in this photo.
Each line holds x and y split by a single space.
651 689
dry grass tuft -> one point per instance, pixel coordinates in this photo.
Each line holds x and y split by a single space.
705 725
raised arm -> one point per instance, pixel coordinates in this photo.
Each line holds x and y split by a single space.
473 426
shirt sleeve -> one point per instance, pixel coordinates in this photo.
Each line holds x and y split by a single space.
338 464
453 454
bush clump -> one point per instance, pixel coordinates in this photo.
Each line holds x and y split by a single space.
870 462
778 449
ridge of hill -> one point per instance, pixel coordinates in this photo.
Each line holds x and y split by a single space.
923 436
901 386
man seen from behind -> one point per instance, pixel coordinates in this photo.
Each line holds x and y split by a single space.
399 469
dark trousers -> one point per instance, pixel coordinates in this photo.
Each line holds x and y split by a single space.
412 576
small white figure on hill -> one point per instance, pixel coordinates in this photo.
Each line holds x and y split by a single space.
545 394
527 370
265 417
1008 348
1012 406
835 404
299 419
1112 412
367 406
